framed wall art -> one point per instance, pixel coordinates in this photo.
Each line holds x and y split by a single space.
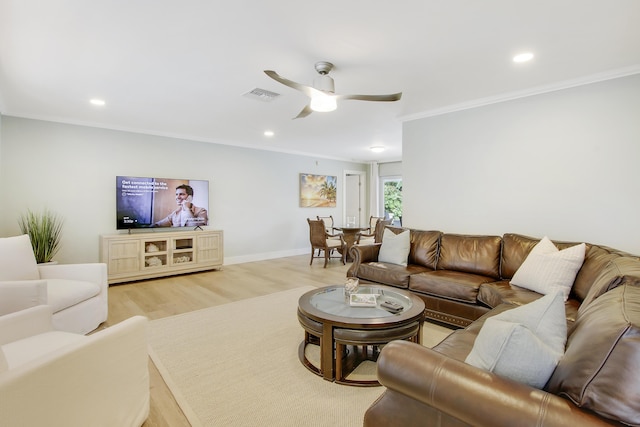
318 191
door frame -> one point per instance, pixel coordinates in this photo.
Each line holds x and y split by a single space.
361 195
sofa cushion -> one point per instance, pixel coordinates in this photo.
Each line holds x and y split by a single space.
389 274
595 260
496 293
448 284
395 247
16 295
62 293
424 248
617 271
515 248
470 254
599 371
17 261
523 344
457 345
548 270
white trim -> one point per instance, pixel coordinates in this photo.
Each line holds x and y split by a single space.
264 256
374 189
361 194
536 90
174 135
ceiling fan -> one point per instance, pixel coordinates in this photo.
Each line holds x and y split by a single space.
322 94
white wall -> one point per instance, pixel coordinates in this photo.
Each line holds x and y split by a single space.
390 169
564 164
253 194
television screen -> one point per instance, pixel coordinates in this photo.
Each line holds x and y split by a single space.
161 202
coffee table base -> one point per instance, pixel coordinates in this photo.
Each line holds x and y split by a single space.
354 346
350 335
366 345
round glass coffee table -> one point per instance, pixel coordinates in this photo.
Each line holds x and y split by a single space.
349 334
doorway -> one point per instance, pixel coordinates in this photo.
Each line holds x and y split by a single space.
354 196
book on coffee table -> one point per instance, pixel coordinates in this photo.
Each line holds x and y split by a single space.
362 300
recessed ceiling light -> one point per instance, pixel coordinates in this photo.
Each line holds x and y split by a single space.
268 133
98 102
377 149
523 57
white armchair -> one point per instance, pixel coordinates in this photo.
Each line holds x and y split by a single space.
77 293
55 378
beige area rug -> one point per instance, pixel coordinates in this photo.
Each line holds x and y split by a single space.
237 365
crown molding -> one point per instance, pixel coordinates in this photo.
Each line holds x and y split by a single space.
536 90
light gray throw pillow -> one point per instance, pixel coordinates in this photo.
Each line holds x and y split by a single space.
395 247
524 344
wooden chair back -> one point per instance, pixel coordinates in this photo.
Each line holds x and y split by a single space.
328 223
317 233
373 220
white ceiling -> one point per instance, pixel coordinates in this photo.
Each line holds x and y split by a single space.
179 68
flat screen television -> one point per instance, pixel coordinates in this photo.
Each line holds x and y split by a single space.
143 202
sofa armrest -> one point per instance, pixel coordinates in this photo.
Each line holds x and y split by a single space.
362 254
101 380
89 272
16 295
25 323
469 394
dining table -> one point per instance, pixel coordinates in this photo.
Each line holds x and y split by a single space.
350 235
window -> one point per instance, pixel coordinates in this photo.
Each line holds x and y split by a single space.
392 199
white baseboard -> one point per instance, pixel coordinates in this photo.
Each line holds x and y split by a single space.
264 256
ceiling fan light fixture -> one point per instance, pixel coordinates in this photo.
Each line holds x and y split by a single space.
324 83
323 103
322 95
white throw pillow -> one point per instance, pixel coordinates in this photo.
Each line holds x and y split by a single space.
395 247
524 344
17 261
547 270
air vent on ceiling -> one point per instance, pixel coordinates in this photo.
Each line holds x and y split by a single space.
262 95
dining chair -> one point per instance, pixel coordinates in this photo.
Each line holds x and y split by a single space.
325 242
373 220
376 236
328 223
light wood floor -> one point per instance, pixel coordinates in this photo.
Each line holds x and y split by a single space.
180 294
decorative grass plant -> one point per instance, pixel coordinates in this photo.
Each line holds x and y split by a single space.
45 231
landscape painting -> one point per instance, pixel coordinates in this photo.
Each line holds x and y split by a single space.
318 191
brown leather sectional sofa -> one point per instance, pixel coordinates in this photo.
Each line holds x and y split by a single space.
462 277
465 280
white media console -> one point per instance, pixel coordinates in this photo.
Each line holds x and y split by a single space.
147 255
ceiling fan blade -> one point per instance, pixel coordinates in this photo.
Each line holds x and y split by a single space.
304 113
388 98
307 90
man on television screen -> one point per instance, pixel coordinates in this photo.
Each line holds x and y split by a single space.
187 214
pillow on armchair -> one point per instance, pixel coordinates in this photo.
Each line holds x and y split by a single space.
17 261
